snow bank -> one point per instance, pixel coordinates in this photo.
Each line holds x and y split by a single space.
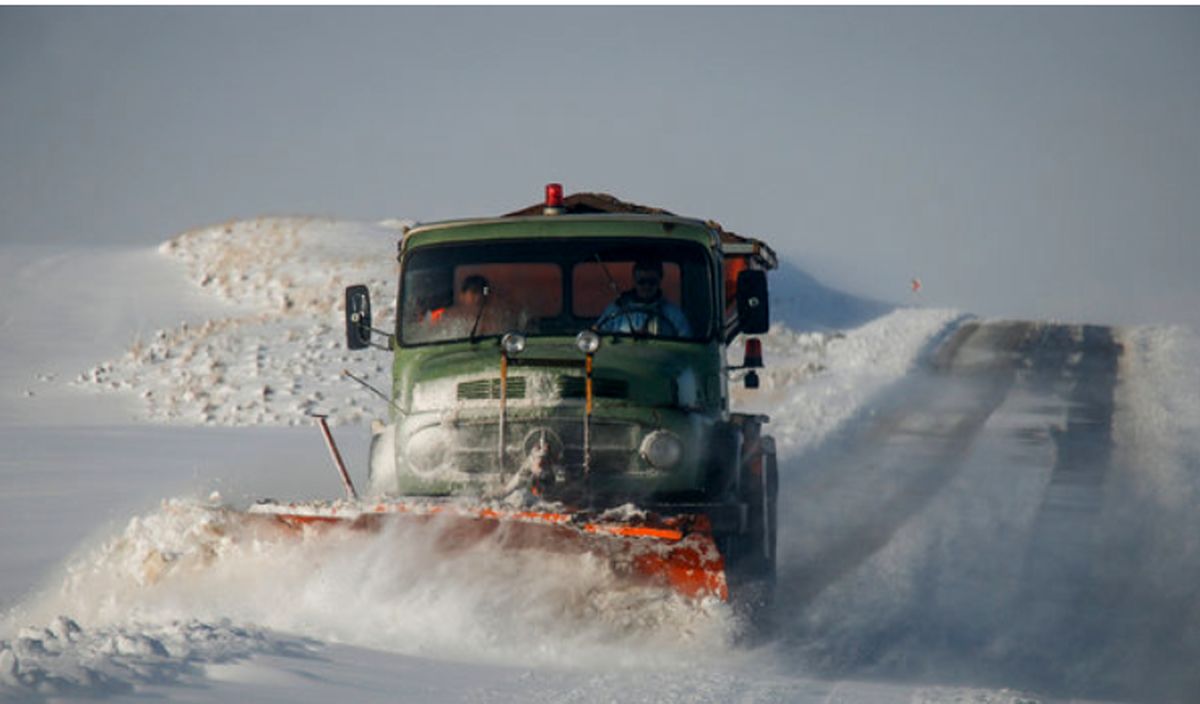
1159 407
1153 565
278 353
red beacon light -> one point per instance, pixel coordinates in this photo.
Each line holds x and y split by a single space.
752 361
554 199
753 358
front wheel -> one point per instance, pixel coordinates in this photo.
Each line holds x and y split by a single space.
751 563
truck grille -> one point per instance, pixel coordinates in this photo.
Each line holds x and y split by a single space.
566 387
614 444
484 389
575 387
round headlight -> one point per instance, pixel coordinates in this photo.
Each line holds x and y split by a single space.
428 450
662 449
513 343
587 342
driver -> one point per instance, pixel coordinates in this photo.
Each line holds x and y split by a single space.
643 309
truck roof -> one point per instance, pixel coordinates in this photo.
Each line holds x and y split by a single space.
613 214
499 228
596 203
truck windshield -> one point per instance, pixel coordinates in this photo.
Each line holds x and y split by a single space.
649 288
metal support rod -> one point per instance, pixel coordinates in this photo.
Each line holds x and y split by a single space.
337 457
366 385
587 420
503 409
766 513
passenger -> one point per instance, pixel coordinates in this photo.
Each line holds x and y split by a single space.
472 293
480 311
473 290
474 297
643 309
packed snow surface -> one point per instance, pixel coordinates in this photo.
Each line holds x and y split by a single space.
184 599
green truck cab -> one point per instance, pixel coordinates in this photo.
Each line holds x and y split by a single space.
576 350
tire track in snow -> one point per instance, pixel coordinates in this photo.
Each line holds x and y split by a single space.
1094 615
1081 364
963 530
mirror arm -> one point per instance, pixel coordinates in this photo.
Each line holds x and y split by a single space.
732 331
386 348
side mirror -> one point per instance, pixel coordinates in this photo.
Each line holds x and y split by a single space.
358 317
754 315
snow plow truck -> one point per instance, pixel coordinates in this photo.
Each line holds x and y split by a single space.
560 381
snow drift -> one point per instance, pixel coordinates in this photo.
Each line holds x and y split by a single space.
278 351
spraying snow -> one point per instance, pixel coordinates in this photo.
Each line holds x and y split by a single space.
165 594
396 589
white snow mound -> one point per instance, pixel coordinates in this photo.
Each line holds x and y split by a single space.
278 351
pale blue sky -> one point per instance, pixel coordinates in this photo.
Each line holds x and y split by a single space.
1027 162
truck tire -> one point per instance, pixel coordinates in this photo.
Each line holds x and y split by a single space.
724 464
751 564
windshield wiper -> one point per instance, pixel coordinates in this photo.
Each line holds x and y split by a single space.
479 315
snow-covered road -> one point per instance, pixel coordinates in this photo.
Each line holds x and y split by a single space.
971 510
918 539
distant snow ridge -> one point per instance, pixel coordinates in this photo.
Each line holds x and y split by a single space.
278 352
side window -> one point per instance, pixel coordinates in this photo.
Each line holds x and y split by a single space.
733 267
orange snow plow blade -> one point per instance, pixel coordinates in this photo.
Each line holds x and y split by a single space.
677 552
